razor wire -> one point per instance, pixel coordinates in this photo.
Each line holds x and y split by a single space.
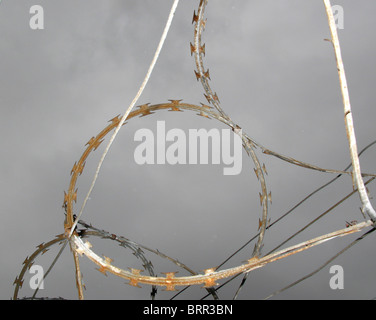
210 275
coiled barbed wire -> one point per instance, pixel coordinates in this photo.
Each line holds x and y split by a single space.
210 275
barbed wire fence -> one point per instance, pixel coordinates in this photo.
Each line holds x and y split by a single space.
77 230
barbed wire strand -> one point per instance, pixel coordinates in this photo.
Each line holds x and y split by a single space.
357 176
323 265
124 117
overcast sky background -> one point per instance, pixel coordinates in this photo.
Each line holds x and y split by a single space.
275 77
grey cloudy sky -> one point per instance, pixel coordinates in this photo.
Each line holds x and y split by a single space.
274 75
